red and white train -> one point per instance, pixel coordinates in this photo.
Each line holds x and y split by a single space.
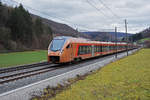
65 49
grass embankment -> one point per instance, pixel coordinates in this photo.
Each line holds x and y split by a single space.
125 79
20 58
143 40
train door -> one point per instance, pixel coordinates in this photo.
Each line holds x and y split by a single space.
72 52
69 52
92 50
101 49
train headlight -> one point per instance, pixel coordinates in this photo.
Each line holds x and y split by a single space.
60 52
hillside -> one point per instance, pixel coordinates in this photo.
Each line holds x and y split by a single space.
142 37
106 36
145 33
100 36
21 30
60 29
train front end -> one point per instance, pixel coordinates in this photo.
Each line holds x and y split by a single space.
56 49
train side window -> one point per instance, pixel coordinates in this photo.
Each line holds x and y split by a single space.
79 51
82 50
94 48
103 48
109 47
86 49
99 48
89 49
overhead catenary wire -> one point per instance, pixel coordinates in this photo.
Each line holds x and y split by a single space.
107 18
42 12
92 5
56 17
109 9
100 30
76 26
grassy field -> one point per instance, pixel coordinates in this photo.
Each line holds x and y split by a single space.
125 79
20 58
143 40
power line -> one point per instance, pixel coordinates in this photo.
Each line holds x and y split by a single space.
126 36
41 12
100 11
100 30
56 17
109 9
60 18
96 8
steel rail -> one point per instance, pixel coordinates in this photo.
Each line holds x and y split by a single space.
11 69
21 73
27 74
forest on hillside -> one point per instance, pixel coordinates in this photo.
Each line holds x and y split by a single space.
19 31
143 34
143 37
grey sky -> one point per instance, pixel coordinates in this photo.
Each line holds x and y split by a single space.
79 14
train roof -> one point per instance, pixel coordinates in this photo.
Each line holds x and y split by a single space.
83 40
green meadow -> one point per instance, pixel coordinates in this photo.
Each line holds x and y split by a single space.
143 40
21 58
125 79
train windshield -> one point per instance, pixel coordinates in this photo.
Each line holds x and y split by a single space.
57 44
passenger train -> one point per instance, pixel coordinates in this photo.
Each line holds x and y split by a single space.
65 49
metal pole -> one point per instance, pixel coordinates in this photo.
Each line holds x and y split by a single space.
132 42
111 38
116 41
126 36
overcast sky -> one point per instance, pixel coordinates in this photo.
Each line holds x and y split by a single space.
93 15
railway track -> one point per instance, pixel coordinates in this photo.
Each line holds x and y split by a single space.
35 70
16 76
11 69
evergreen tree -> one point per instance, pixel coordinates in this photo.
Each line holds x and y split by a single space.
38 26
19 31
1 12
20 23
0 3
